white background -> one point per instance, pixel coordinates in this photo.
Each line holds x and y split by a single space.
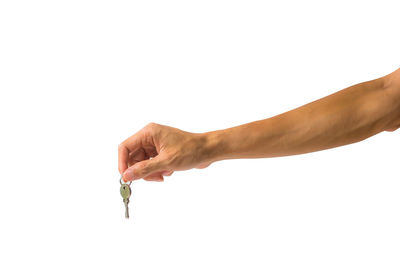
78 77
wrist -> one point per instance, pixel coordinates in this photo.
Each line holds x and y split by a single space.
215 147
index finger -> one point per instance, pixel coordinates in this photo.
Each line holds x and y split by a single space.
132 144
123 155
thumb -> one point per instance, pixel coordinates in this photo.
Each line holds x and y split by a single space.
144 168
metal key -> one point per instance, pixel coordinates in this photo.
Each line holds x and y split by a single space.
125 191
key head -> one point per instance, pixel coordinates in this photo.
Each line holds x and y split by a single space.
125 191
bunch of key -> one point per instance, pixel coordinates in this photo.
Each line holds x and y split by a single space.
126 194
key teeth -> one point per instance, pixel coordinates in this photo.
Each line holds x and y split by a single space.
126 201
126 213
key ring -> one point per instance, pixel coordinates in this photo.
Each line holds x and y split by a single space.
120 181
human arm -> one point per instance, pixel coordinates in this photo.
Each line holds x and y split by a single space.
348 116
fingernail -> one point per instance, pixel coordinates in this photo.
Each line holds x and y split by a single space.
128 175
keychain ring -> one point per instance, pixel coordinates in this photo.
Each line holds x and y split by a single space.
120 181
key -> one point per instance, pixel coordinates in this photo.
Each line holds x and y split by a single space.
125 191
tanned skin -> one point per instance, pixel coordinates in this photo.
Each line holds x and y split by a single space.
345 117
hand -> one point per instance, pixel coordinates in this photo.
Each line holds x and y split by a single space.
158 150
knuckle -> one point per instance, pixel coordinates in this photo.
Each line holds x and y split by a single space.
152 128
151 125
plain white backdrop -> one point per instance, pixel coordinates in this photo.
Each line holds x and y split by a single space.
78 77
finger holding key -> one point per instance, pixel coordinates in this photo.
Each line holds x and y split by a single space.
158 150
137 148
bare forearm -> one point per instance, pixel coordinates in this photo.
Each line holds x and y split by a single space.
345 117
348 116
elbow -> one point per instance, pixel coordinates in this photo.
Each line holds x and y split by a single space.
391 89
